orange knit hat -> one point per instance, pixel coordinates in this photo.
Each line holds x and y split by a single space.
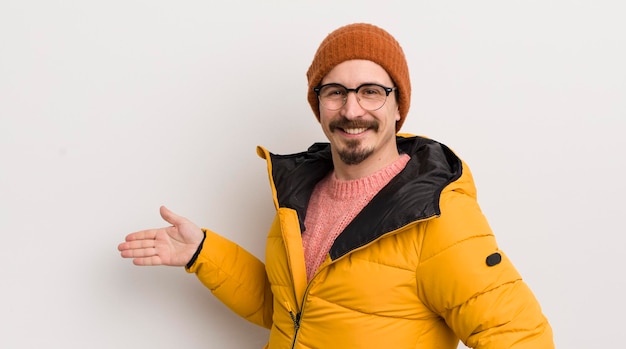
361 41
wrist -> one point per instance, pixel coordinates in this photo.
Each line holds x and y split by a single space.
197 253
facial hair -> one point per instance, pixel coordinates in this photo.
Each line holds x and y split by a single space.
352 153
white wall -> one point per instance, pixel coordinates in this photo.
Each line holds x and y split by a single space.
109 109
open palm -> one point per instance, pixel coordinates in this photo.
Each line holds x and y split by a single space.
173 245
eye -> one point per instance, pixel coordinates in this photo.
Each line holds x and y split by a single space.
371 91
332 91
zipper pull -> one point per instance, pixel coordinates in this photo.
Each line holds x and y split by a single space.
295 317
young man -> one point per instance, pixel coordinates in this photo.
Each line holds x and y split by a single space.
378 241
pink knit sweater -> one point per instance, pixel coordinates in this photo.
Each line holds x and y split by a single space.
334 204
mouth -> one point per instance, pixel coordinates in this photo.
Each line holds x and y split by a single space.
353 127
354 131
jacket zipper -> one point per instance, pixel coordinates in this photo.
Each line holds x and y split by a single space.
296 325
295 317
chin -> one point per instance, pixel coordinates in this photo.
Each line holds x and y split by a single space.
354 156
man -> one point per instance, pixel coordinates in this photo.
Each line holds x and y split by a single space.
378 241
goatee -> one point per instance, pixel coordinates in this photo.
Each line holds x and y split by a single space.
353 154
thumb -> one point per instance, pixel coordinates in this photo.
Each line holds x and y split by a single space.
170 216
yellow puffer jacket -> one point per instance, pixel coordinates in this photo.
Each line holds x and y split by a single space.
419 267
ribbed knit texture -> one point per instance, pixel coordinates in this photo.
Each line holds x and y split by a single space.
334 204
361 41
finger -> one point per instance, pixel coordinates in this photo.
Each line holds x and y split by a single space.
170 216
139 252
142 235
143 239
148 261
137 244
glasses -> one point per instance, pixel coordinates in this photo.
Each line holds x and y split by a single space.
369 96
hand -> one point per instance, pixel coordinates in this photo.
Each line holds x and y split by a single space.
173 246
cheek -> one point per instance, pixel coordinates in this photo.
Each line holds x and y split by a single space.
393 109
323 115
396 112
323 119
326 118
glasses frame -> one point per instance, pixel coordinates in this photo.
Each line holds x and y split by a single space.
319 88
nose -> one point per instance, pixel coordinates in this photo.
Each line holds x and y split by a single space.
352 109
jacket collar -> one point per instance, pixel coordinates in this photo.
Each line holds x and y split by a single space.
411 196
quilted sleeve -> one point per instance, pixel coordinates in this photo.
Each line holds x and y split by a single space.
235 277
473 286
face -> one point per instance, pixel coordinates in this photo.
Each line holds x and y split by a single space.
356 134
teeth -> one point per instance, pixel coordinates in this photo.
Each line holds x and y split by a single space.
354 131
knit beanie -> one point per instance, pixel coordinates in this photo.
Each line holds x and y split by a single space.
361 41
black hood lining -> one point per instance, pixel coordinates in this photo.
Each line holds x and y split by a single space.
410 196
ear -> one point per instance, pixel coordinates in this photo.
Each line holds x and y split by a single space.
398 114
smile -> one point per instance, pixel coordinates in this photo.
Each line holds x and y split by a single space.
354 131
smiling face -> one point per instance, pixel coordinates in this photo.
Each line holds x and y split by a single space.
360 137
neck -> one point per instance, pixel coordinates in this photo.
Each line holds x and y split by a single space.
372 164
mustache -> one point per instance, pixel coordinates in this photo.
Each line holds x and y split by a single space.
344 123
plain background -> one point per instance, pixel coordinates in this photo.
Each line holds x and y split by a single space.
109 109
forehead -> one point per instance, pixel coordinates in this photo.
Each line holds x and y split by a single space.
356 72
